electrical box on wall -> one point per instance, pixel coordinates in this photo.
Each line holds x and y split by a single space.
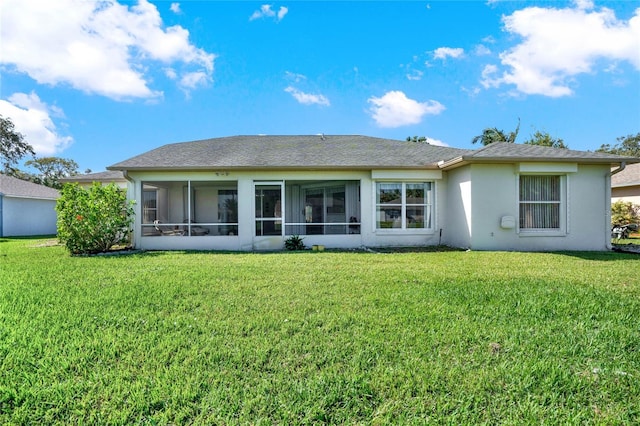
508 222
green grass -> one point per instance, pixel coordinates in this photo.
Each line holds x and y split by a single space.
300 337
633 239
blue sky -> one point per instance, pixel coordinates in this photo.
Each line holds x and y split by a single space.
99 82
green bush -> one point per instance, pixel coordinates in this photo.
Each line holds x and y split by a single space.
294 242
624 213
93 220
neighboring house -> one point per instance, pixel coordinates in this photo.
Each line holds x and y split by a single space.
26 208
106 177
625 186
253 192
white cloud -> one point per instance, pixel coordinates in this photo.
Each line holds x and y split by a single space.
436 142
266 11
175 8
584 4
306 98
481 50
489 40
415 75
559 44
282 12
170 73
394 109
97 47
297 78
194 79
32 118
448 52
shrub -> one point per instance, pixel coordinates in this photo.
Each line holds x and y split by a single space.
624 213
93 220
294 242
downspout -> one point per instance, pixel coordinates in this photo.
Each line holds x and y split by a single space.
607 192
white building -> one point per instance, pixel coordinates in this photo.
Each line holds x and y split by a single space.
253 192
26 208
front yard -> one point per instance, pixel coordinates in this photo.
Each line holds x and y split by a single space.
306 337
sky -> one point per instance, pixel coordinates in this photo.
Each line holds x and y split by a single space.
99 82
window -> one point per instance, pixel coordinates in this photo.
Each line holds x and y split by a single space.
149 205
404 205
540 202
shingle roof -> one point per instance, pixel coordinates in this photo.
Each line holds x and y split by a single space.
106 176
630 176
509 152
311 151
13 187
340 152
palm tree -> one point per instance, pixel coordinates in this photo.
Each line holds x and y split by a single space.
493 134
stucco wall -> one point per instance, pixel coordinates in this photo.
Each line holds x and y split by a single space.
457 224
470 204
494 195
28 216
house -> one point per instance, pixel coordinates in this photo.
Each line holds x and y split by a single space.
625 186
105 178
26 208
253 192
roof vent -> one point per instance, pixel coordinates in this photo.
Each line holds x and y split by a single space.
322 136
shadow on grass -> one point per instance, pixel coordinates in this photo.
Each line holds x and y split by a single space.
610 256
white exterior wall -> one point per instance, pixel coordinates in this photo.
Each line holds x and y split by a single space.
28 216
246 240
495 195
457 230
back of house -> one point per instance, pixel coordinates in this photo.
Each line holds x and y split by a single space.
254 192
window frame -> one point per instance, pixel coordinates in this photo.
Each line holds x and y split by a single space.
563 225
428 205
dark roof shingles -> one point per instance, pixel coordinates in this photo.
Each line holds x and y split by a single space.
290 152
630 176
497 151
14 187
106 176
327 152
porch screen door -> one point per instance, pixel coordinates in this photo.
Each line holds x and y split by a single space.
268 206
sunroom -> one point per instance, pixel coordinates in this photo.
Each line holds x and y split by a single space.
189 208
210 208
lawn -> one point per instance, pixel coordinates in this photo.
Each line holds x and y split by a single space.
333 337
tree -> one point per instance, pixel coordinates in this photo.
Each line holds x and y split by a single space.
418 139
627 145
491 135
545 139
95 219
13 147
52 169
624 213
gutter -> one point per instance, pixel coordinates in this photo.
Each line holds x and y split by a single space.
623 165
1 217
